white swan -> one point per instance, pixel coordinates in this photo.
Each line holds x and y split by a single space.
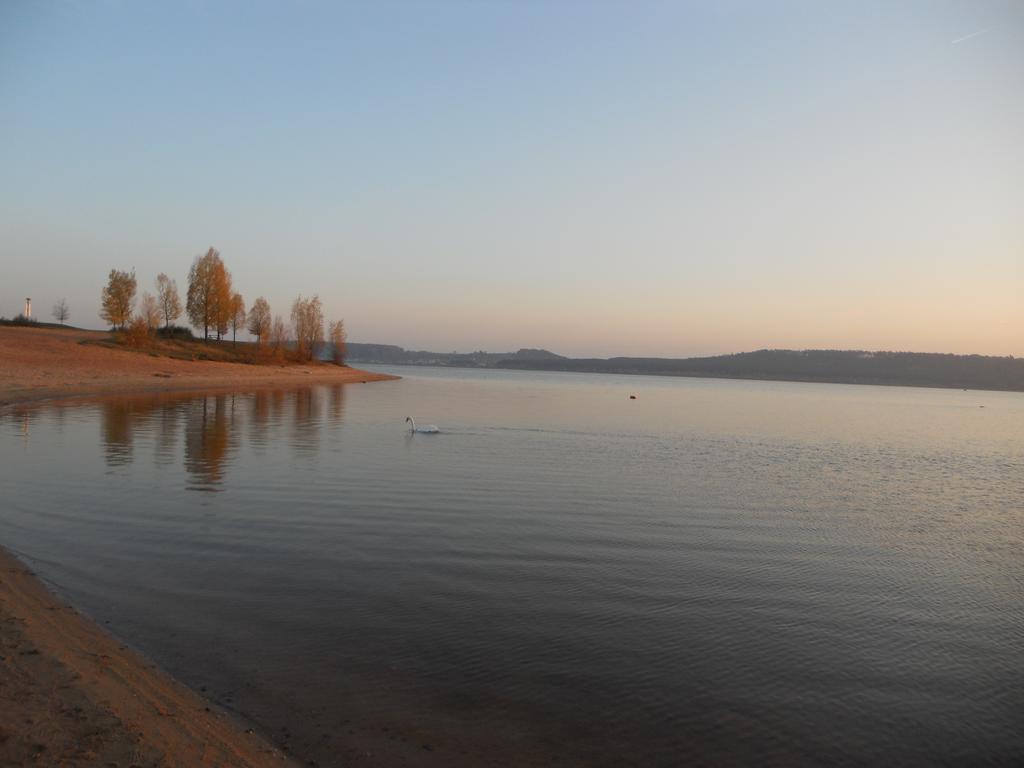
429 429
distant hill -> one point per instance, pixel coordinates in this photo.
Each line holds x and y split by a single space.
390 354
823 365
916 369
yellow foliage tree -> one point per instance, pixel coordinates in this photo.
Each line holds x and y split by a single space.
118 297
209 294
337 336
260 320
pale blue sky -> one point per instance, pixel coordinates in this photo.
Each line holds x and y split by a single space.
595 178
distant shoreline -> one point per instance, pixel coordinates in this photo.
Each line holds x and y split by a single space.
713 376
48 363
817 366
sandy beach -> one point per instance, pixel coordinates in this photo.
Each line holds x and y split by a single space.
46 363
71 694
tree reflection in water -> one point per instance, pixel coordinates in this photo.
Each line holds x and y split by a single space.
213 425
336 405
207 441
167 430
118 422
305 421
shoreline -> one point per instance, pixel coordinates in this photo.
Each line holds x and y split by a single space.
72 694
46 364
848 382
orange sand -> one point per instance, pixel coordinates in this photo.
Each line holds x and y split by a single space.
41 363
71 695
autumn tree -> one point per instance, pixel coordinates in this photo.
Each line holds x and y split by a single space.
237 315
298 325
223 299
336 334
149 311
308 322
278 334
118 297
260 320
209 294
168 299
61 312
199 300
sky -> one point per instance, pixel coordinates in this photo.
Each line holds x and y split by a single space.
595 178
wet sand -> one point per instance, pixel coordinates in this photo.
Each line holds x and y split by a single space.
70 694
46 363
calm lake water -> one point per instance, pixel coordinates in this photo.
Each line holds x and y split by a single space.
717 572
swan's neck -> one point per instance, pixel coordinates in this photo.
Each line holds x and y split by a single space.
413 422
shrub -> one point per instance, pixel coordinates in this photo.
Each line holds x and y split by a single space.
137 334
179 332
19 320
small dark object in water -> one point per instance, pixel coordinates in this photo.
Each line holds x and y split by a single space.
632 397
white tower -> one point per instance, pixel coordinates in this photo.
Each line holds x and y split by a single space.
28 308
